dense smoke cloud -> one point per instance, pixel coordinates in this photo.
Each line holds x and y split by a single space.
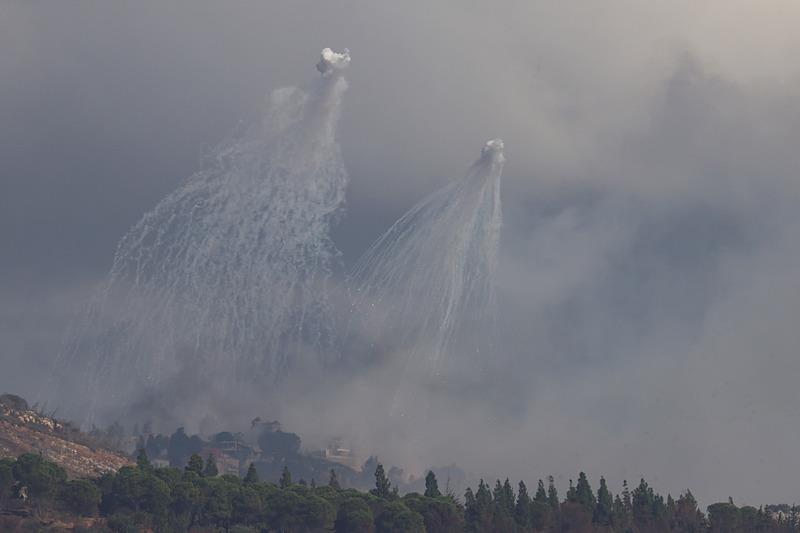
648 287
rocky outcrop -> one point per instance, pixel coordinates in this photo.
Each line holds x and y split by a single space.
23 430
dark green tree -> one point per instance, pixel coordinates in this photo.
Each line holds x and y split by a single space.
583 492
648 509
6 477
541 493
504 497
382 486
284 510
142 461
185 503
541 515
522 509
81 497
749 519
134 491
470 511
354 516
431 485
210 469
279 444
687 517
621 517
508 496
246 505
724 517
604 509
439 514
764 521
251 477
218 508
627 501
181 446
552 493
503 506
397 518
286 478
333 481
195 464
42 478
572 494
478 509
317 514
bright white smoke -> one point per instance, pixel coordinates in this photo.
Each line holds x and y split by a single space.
332 61
225 279
425 289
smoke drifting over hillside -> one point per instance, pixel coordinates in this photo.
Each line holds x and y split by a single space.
647 287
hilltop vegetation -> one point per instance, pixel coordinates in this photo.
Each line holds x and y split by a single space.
62 479
36 494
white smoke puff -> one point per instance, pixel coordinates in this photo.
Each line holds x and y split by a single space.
331 61
493 150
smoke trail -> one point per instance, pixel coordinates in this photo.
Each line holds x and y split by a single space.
224 281
425 288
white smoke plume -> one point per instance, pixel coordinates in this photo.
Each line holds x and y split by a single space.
425 290
225 280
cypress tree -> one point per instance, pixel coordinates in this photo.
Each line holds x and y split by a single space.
286 478
507 496
382 486
333 481
431 485
142 461
604 510
626 498
483 501
572 495
646 506
627 506
541 494
552 493
251 478
620 516
478 509
471 515
583 492
497 493
522 511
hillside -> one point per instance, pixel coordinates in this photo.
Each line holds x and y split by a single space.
23 430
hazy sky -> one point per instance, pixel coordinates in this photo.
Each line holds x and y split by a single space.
649 287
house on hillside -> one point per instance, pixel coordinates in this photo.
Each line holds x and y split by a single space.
336 453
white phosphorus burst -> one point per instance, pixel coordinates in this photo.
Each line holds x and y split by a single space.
425 289
226 276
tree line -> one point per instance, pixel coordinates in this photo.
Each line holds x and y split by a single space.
197 498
